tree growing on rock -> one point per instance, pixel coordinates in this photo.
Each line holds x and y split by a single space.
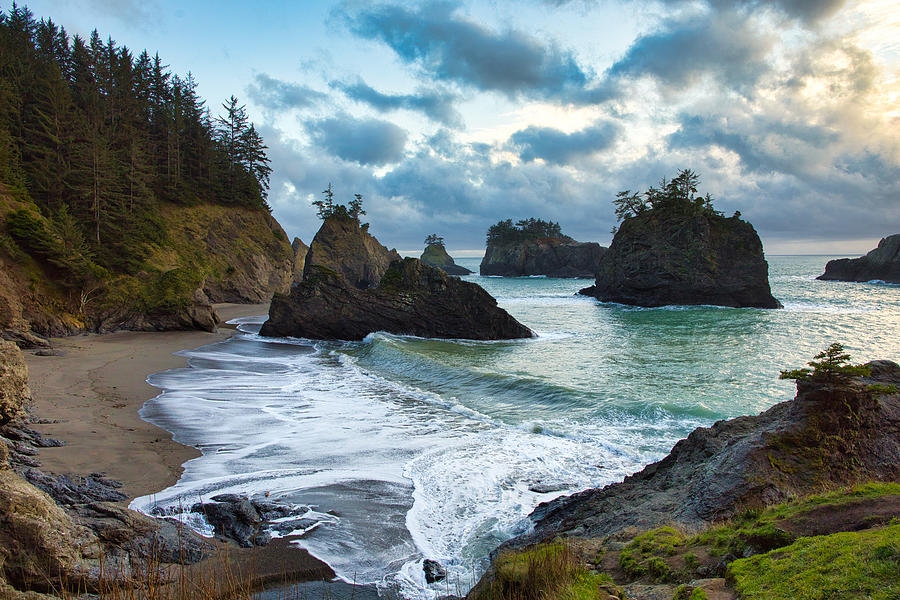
832 365
434 240
675 197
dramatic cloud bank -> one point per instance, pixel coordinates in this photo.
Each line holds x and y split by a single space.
781 107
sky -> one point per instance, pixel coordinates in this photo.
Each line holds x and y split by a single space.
448 116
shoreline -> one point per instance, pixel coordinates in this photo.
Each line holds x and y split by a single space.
89 396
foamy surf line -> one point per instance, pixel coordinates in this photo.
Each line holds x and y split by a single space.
400 475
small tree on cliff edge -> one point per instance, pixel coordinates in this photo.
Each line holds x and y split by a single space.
327 207
434 240
832 364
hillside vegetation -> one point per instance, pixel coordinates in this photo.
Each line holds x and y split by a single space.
122 197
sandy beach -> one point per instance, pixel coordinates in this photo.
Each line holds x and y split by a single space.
90 395
93 392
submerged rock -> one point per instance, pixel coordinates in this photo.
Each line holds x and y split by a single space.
411 299
659 259
553 257
882 263
344 246
435 255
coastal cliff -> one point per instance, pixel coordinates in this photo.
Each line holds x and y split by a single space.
657 259
741 488
536 247
411 299
882 264
435 255
204 254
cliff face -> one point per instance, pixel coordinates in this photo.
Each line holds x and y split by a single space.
202 254
830 435
656 260
300 250
344 247
411 299
553 257
882 263
435 255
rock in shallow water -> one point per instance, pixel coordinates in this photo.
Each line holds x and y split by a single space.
412 299
434 571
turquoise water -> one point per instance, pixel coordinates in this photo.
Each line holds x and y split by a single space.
405 448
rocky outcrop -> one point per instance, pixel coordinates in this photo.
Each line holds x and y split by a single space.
657 260
412 299
300 250
881 264
435 255
344 246
832 434
14 391
553 257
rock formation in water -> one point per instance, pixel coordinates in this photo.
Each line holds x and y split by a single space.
659 259
834 433
536 247
435 255
882 263
344 246
411 299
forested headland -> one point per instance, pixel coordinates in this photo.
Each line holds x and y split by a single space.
100 147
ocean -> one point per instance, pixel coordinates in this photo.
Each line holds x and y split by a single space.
398 449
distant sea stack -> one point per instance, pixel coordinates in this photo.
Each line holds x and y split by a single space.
411 299
882 263
435 255
537 247
674 248
347 248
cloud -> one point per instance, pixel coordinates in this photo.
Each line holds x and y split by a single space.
437 105
131 12
453 49
365 141
560 148
277 95
728 47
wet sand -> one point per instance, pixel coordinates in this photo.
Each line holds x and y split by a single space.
90 396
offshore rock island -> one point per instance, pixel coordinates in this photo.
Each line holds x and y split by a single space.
881 264
435 255
672 247
537 247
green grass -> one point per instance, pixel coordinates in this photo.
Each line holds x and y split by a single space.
643 556
544 572
861 564
758 529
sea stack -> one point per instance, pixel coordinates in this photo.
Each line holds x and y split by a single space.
537 247
411 299
347 248
674 249
881 264
353 286
435 255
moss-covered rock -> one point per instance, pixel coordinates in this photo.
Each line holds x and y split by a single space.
346 247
